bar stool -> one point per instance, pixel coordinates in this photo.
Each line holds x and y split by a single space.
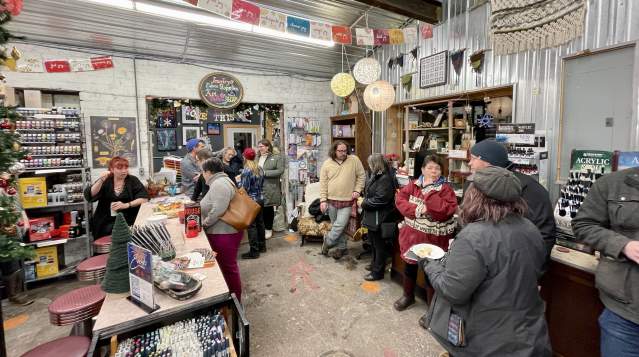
102 245
93 268
77 307
70 346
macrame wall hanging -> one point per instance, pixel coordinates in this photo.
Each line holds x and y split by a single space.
520 25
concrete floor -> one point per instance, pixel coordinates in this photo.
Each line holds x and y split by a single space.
298 303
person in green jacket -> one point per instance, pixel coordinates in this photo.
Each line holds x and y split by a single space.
273 165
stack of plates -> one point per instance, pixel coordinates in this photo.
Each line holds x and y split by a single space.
93 268
76 306
102 245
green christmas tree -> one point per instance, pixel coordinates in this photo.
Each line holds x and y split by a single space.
116 279
10 154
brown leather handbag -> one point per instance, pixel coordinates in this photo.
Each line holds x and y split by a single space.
242 210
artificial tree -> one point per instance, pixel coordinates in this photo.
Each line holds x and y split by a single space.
116 279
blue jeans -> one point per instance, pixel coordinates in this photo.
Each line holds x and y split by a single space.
619 337
339 220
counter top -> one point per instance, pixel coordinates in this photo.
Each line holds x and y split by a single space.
117 310
575 259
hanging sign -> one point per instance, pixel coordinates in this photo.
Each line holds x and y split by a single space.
410 35
297 26
221 90
427 31
221 7
396 36
364 36
272 20
321 31
245 12
381 37
57 66
342 35
516 133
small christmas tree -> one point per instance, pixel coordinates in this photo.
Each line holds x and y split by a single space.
116 279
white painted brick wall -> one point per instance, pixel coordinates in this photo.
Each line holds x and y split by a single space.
112 91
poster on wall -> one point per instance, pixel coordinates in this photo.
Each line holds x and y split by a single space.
167 139
165 118
190 115
113 136
190 132
433 70
213 128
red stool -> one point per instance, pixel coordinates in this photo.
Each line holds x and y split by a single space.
77 307
70 346
93 268
102 245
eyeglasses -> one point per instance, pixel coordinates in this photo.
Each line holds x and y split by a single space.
341 150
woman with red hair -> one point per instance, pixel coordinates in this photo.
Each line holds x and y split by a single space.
116 191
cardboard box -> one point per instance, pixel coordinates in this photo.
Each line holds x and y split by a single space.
41 228
47 261
33 192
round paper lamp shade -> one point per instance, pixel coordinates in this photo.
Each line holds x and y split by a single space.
367 70
379 95
342 84
500 107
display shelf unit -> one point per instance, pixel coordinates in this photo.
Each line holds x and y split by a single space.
359 143
51 187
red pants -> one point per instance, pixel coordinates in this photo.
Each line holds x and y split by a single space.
226 246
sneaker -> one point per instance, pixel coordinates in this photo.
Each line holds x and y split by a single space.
268 233
373 276
250 255
339 253
369 267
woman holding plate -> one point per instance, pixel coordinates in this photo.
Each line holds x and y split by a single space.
486 299
428 205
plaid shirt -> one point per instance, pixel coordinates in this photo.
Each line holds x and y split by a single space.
253 184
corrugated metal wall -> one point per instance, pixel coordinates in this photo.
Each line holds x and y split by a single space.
535 73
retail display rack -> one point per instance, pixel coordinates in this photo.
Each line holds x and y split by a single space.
51 190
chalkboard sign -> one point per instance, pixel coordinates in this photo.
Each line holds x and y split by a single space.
221 90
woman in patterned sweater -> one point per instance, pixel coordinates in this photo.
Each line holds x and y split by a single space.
428 205
252 180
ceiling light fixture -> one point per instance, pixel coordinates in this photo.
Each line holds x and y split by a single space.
203 18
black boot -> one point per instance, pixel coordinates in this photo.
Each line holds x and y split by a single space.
251 254
15 289
408 298
263 248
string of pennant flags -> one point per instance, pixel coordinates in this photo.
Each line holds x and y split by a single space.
250 13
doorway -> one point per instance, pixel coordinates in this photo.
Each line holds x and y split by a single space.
241 136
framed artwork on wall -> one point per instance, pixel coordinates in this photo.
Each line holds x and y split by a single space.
213 128
190 132
433 70
167 139
190 115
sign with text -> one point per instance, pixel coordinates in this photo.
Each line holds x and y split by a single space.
221 90
627 159
141 275
516 133
594 160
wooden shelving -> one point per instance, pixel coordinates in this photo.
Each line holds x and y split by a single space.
361 140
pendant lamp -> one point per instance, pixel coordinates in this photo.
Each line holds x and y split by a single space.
367 70
342 84
379 96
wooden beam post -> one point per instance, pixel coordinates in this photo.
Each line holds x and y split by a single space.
423 10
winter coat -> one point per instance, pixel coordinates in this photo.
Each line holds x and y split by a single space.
540 211
437 226
216 202
378 205
489 279
608 220
273 169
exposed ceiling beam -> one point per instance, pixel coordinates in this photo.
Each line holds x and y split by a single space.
423 10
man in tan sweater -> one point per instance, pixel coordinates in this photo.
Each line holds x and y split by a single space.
341 182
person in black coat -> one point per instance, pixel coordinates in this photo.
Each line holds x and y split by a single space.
115 191
540 212
201 188
379 214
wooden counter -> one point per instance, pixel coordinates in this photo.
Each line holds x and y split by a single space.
118 315
572 303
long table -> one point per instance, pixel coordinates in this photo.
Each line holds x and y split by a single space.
118 315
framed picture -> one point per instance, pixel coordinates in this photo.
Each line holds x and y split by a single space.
190 115
190 132
165 118
167 139
418 142
433 70
213 128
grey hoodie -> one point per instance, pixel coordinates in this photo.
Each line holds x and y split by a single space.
216 202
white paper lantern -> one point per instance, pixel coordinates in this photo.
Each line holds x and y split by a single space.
342 84
500 107
367 70
379 95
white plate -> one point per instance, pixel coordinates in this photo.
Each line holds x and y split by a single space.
435 253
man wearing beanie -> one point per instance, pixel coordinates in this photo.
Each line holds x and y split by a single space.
491 153
189 167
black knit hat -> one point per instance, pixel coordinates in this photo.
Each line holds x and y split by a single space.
497 183
492 152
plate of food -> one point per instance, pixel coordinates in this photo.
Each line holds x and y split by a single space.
425 250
